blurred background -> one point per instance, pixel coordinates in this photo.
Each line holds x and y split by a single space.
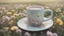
24 1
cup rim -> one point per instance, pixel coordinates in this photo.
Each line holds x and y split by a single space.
35 6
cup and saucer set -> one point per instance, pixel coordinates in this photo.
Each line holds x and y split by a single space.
35 20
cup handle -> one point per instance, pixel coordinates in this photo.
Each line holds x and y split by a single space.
49 16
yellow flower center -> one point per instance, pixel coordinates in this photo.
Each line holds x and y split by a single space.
14 28
9 13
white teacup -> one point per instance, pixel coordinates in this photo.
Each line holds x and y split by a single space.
35 15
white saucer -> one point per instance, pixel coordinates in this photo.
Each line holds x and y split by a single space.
23 25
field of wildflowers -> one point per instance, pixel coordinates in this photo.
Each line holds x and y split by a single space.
11 13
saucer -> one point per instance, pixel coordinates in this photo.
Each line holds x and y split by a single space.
23 25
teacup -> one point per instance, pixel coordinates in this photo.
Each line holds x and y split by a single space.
35 15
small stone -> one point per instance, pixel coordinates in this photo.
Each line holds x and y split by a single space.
62 29
53 27
41 32
34 34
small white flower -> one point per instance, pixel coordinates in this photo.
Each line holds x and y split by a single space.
55 34
12 17
6 18
19 31
0 12
49 33
27 34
